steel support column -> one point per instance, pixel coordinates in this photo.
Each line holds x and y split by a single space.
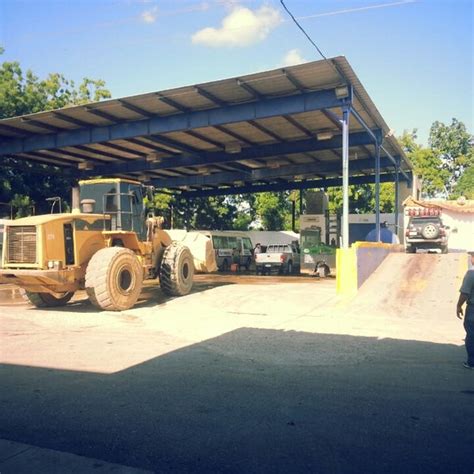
377 191
397 195
346 111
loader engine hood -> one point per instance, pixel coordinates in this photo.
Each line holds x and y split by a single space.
34 242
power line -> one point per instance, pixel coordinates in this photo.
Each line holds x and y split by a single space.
312 42
302 29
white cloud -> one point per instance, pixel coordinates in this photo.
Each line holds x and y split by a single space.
242 27
293 57
150 16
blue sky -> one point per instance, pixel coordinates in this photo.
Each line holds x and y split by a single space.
415 58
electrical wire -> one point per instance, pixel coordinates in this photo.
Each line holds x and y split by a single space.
312 42
302 29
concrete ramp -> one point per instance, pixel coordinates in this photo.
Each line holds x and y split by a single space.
413 285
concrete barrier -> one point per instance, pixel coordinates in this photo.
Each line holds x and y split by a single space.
355 264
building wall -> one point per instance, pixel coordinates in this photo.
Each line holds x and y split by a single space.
461 232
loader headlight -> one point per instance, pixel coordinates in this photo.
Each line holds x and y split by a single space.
54 264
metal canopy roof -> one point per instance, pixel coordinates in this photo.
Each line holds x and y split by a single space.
276 129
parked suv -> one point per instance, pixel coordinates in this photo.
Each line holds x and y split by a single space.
426 232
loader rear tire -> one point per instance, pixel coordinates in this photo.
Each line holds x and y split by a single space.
114 279
177 270
47 300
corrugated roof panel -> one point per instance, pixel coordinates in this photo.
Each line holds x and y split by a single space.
230 92
250 132
314 121
188 140
288 81
281 127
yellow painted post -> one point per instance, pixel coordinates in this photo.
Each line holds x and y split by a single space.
346 271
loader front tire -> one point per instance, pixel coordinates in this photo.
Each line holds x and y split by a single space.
177 270
114 279
47 300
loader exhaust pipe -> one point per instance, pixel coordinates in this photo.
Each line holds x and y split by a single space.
75 197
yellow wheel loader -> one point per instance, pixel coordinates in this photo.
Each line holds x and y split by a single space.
107 248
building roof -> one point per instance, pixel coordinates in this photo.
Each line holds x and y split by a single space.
465 206
269 127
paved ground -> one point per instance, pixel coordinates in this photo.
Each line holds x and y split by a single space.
268 375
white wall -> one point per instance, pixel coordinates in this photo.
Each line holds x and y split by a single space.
461 232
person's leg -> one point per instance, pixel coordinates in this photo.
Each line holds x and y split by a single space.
469 327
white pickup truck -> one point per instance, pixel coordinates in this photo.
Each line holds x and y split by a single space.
285 258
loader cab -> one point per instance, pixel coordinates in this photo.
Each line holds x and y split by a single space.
122 199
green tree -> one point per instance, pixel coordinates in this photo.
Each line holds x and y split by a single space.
273 209
426 163
454 147
362 198
465 185
24 93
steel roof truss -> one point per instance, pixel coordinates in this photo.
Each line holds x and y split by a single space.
248 153
286 186
223 115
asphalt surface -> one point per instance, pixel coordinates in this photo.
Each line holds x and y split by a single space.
265 376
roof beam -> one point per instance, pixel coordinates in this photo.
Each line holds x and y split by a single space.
210 97
235 135
172 103
150 146
248 88
248 153
333 118
114 146
203 138
39 124
72 154
223 115
11 129
102 114
289 185
265 130
134 108
95 151
288 171
40 158
173 144
73 121
293 80
297 125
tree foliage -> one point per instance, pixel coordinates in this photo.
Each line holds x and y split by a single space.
465 185
272 210
25 184
426 163
443 163
453 146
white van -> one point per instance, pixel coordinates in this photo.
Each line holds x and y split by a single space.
224 242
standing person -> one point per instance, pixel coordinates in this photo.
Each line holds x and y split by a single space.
467 296
257 249
236 258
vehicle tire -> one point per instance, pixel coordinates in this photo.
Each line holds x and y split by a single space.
47 300
430 231
411 249
289 268
225 266
177 270
114 279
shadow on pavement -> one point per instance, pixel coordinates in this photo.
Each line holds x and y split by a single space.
258 401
